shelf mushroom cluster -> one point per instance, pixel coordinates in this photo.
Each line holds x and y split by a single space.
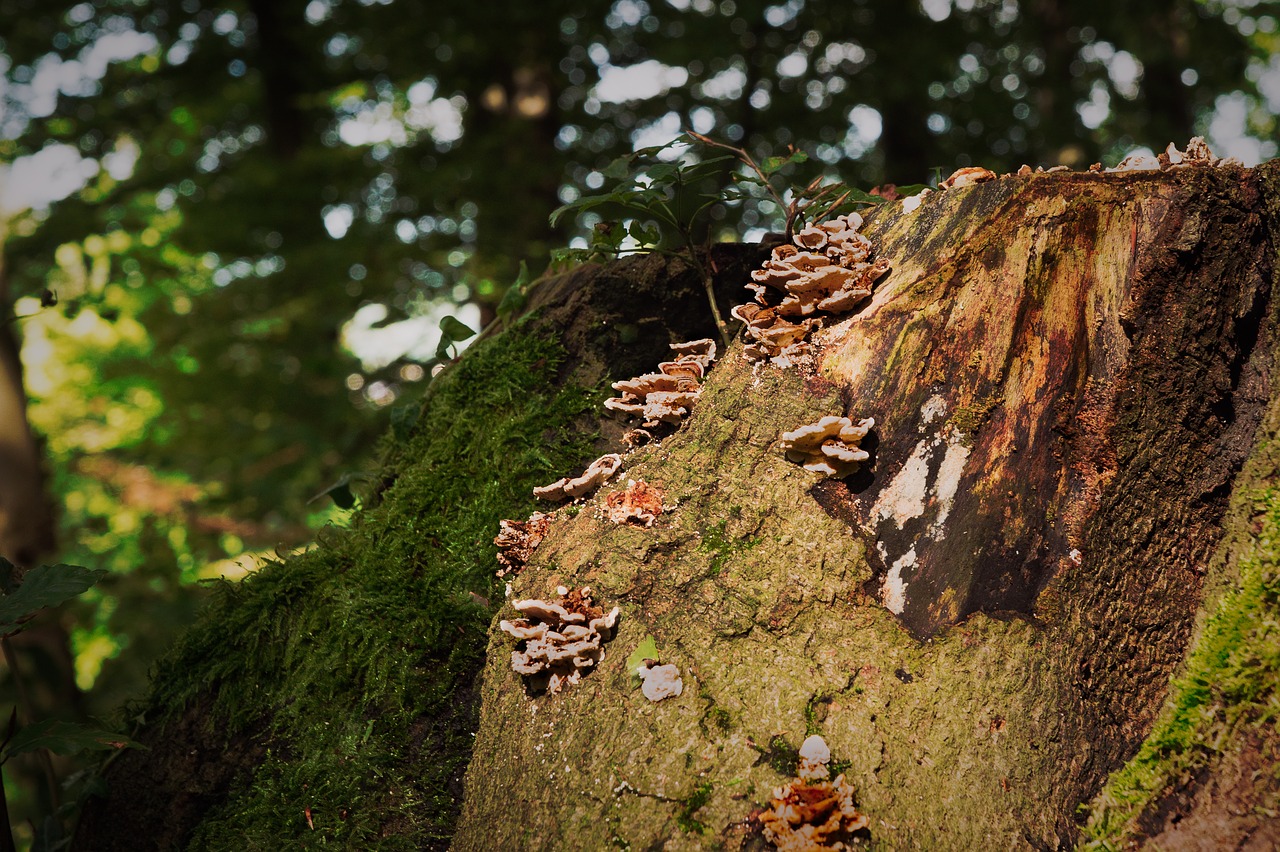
561 640
812 813
516 541
827 269
667 396
832 445
1197 154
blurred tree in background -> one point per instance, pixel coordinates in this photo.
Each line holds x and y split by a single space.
232 228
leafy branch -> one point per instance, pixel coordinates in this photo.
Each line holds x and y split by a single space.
660 199
23 597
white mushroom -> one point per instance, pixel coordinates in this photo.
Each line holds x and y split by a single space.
596 474
660 682
814 757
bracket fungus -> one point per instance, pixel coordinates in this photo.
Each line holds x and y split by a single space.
812 814
830 446
827 269
639 502
562 639
597 473
1197 154
667 396
660 682
516 541
968 176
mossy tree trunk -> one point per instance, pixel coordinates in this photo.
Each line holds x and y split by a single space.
1074 388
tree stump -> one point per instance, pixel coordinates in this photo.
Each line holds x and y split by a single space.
1073 383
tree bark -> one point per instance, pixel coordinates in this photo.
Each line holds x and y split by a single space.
1067 373
1073 382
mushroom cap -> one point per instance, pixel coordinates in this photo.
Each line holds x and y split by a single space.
661 682
968 176
844 222
605 622
814 749
552 613
520 628
811 238
829 446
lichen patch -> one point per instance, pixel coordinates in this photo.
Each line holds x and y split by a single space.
948 481
893 591
904 497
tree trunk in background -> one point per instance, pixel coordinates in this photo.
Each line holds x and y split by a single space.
26 515
1073 382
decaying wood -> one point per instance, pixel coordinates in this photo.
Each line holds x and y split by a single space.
1066 372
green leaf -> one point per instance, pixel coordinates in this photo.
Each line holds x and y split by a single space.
513 300
341 492
663 172
452 330
620 168
646 650
45 585
645 233
403 419
8 576
912 189
62 737
773 164
455 329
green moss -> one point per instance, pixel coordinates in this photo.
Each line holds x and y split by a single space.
968 418
354 663
782 756
1230 680
700 796
722 546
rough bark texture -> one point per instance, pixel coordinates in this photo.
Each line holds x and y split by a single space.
1067 373
1073 380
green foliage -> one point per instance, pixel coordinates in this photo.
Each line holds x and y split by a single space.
1230 681
61 737
646 650
42 586
367 724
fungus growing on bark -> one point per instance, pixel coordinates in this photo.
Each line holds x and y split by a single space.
812 814
668 395
562 639
517 540
596 474
912 202
828 270
637 437
814 757
639 503
1197 154
829 446
660 682
968 176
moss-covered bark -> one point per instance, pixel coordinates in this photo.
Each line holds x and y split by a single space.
330 698
1067 373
